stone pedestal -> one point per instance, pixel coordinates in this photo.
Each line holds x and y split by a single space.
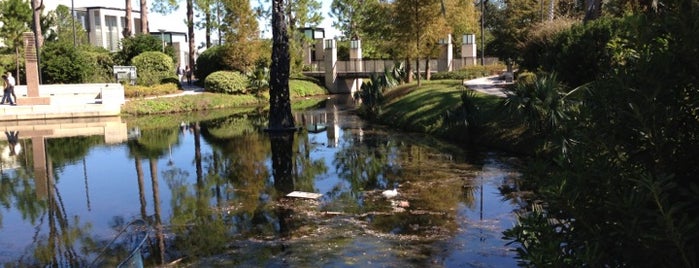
32 70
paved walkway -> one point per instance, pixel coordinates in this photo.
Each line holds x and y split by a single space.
186 90
492 85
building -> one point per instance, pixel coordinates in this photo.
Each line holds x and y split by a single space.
104 26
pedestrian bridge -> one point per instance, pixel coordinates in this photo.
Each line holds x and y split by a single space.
345 76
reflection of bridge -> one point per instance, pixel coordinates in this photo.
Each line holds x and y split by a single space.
346 76
325 120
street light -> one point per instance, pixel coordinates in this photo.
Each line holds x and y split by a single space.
72 13
162 38
483 3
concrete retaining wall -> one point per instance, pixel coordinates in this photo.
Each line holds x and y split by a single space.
106 94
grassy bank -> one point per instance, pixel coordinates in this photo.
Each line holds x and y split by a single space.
208 101
435 108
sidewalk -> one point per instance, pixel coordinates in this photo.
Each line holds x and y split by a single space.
493 85
186 90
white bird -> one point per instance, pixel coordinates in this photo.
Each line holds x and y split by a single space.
390 193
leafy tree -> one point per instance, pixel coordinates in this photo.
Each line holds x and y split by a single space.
379 31
419 24
63 30
242 43
510 25
17 14
213 11
462 18
349 16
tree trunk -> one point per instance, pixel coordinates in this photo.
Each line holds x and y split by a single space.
129 21
190 31
37 6
428 75
408 70
280 117
417 66
144 17
207 18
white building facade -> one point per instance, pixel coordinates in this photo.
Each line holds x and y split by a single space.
105 26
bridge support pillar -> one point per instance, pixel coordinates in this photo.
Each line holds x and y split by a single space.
355 56
446 55
330 65
468 50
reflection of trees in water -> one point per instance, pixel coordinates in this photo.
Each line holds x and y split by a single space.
55 246
305 169
431 181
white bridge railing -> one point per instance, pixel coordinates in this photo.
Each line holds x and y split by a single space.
379 66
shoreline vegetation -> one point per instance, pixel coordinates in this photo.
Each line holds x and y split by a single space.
435 108
138 104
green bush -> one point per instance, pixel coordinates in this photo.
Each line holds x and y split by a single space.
100 66
211 60
62 63
134 46
228 82
577 55
153 68
470 72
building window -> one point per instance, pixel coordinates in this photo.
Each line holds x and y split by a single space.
136 26
112 33
98 21
81 16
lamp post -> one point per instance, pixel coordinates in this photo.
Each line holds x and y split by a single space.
72 13
483 3
162 38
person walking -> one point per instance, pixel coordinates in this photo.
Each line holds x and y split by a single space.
11 82
188 73
179 73
6 91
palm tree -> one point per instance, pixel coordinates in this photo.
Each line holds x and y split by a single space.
144 17
129 23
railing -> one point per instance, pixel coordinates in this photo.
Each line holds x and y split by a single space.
379 66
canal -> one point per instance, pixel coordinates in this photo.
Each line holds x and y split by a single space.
211 191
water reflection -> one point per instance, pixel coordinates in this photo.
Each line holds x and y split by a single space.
213 190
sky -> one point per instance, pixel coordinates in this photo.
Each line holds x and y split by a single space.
175 22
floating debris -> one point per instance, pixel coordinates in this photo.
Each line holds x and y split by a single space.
307 195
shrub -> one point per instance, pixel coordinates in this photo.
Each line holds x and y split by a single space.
100 66
134 46
470 72
526 77
228 82
145 91
153 68
209 61
577 55
62 63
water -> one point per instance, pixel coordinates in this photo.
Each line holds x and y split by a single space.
212 194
